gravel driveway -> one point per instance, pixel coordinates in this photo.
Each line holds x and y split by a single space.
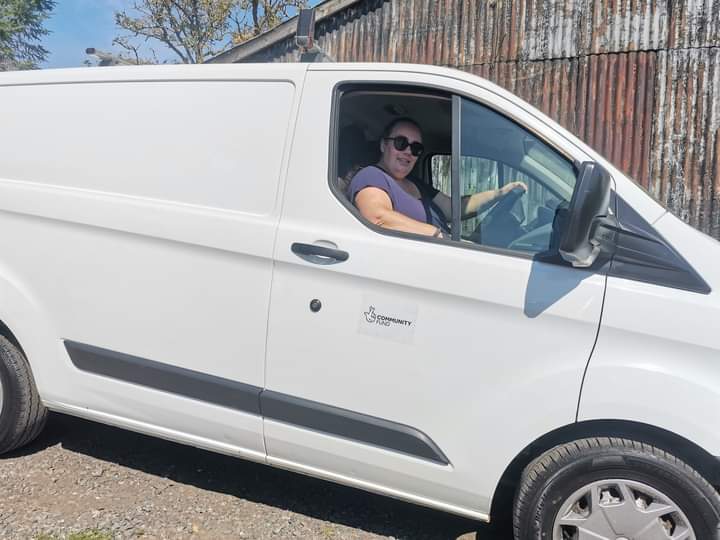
83 480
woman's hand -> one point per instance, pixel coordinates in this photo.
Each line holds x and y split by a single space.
477 202
507 188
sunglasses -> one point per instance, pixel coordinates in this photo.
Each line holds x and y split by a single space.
401 142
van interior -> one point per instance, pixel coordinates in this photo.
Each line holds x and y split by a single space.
494 151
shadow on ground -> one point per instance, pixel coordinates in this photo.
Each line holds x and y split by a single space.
257 483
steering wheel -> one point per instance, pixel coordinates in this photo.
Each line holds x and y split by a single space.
500 226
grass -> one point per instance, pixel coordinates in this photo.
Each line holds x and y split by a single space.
89 534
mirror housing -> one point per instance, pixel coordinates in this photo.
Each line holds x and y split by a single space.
589 227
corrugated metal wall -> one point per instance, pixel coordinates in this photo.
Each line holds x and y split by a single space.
639 80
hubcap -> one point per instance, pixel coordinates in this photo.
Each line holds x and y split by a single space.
620 510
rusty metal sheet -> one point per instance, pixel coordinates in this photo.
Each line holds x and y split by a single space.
469 32
693 24
685 160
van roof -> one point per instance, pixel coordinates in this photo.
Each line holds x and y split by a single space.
214 71
152 73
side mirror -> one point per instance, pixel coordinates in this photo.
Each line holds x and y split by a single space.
588 222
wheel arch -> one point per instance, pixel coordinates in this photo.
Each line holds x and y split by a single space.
10 336
691 453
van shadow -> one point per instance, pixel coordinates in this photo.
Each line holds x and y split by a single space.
255 482
550 281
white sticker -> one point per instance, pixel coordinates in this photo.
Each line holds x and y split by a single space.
388 319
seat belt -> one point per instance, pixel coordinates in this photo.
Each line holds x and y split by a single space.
433 213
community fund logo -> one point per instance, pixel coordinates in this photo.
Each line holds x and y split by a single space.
384 320
387 318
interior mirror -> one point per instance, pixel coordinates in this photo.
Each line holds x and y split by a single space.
586 232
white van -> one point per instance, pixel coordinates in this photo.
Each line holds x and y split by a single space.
179 257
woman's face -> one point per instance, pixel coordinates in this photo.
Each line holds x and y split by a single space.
399 163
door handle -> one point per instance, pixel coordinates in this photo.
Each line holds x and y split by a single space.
317 254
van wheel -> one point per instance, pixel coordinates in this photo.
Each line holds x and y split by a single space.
22 415
612 488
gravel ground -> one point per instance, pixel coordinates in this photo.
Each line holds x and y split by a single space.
84 480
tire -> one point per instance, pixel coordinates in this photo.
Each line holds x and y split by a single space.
22 414
593 485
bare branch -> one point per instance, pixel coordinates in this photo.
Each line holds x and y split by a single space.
198 29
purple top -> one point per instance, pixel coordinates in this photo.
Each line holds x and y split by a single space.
401 201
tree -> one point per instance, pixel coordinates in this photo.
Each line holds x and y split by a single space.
263 15
21 29
199 29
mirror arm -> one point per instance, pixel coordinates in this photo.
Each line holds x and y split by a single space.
604 232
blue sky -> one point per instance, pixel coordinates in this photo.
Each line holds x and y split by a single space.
79 24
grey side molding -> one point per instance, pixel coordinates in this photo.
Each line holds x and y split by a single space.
350 425
159 376
250 399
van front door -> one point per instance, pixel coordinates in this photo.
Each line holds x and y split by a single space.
415 367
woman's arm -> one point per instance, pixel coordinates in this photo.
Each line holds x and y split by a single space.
375 206
472 204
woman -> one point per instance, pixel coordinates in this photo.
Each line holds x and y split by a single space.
386 197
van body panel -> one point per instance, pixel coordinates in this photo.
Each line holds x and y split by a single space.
162 431
24 315
700 250
162 161
296 441
657 359
160 245
109 288
476 354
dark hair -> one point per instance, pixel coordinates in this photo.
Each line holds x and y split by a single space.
404 120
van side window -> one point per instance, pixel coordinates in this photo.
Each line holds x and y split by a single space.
494 152
366 152
477 174
511 183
